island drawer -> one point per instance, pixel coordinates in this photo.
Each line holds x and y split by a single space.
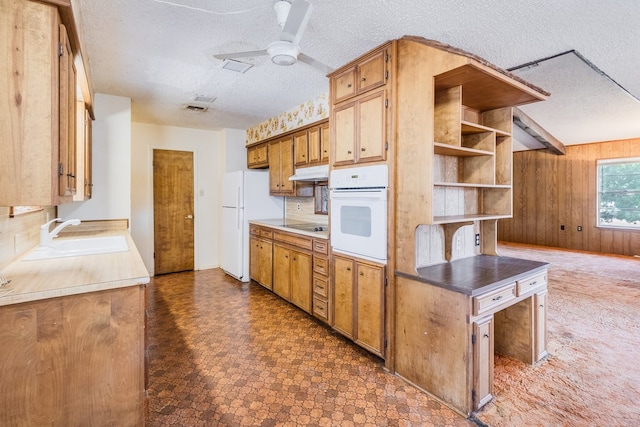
489 301
531 283
266 233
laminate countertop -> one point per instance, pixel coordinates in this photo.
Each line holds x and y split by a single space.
55 277
476 275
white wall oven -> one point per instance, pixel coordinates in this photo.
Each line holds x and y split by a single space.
359 211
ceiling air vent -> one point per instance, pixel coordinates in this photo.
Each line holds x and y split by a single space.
196 108
237 66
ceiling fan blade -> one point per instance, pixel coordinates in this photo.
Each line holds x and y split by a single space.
314 63
296 21
247 54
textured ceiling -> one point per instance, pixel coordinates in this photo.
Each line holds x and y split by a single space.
159 54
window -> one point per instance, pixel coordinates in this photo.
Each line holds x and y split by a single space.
619 193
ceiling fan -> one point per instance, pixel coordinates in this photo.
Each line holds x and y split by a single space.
293 16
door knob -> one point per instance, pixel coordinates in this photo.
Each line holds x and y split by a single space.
188 217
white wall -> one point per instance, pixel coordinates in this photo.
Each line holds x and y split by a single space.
214 152
111 197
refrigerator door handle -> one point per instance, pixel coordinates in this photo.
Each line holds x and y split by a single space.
238 197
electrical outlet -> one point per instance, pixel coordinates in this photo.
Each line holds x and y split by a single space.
297 206
458 241
477 239
579 228
562 227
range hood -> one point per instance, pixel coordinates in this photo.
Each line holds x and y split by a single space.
311 173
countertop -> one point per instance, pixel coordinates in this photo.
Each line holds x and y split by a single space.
476 275
289 225
56 277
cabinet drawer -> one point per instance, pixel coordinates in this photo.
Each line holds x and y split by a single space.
321 246
321 286
254 230
531 283
295 240
487 302
266 233
321 308
320 265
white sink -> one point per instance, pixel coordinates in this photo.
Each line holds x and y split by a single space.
78 247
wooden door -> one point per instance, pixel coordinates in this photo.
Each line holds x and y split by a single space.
286 164
325 143
540 327
343 288
300 149
483 361
282 271
345 134
254 259
371 127
266 263
370 309
173 211
301 280
67 128
314 148
274 167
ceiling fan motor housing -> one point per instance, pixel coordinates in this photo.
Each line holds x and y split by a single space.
283 52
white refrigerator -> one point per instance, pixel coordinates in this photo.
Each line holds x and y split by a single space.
245 196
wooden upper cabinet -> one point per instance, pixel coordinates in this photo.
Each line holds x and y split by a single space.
281 167
314 145
360 129
325 142
368 73
38 81
257 157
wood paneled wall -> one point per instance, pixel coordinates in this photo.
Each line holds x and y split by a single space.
550 191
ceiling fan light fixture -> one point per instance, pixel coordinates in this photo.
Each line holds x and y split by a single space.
283 52
282 8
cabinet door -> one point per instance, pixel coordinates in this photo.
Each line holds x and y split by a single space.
343 295
370 309
540 324
266 263
254 259
301 283
300 149
88 155
371 127
274 167
67 111
344 85
282 271
345 134
325 143
371 72
286 166
483 362
314 145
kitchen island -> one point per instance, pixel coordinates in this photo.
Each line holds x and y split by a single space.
72 330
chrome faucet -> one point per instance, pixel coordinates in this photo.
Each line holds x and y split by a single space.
46 237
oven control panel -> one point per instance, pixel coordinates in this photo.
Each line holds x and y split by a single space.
360 177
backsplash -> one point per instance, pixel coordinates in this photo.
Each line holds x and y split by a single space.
306 211
21 233
304 114
430 244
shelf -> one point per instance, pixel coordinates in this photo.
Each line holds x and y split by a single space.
452 150
464 218
486 89
470 185
471 128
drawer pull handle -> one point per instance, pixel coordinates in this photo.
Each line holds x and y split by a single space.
348 268
533 283
349 152
498 298
361 273
363 79
363 149
486 335
541 305
349 85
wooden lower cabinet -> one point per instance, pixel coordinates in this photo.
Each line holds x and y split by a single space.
482 362
76 360
260 261
359 302
292 275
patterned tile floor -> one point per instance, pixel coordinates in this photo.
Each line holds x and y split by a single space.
224 353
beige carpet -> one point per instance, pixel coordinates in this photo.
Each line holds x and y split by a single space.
592 375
